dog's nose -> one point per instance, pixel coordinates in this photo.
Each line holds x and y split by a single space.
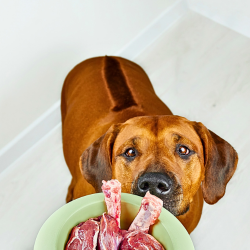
156 183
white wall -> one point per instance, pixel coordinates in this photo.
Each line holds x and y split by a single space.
42 40
234 14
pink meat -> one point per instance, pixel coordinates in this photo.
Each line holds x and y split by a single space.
110 235
140 240
149 212
84 236
112 193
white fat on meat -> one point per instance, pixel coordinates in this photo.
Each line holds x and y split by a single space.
138 240
84 236
110 235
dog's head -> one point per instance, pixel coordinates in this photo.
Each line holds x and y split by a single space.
169 156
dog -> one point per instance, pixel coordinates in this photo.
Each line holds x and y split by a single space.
115 127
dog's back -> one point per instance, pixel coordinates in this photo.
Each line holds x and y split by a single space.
99 92
109 84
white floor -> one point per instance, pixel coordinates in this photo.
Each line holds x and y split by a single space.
201 70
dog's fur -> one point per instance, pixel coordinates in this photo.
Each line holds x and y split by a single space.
109 106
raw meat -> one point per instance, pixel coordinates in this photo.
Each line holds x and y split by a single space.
112 193
149 212
104 233
110 235
84 236
140 240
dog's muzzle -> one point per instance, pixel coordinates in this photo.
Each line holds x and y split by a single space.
163 185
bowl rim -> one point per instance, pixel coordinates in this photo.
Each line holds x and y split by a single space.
45 240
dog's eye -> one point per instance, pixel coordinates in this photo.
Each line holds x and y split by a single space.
183 150
130 153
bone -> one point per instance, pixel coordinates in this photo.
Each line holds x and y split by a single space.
149 212
112 193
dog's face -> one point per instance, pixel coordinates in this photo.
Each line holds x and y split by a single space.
169 156
161 155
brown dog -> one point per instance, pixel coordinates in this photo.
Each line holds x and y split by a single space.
114 126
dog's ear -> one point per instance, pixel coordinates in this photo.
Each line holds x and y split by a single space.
220 161
95 162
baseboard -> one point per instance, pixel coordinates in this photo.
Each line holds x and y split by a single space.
30 136
235 20
52 118
154 30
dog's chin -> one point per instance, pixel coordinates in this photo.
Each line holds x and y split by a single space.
176 211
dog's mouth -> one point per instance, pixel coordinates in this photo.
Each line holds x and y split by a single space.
175 205
166 188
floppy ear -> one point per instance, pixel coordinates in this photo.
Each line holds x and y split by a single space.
220 160
95 162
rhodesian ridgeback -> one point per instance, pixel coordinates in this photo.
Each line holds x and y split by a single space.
115 127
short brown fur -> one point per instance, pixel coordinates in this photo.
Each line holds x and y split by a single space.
101 119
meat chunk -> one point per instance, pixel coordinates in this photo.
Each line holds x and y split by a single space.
140 240
110 235
149 212
84 236
112 193
104 233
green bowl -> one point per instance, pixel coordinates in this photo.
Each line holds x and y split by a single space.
55 231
